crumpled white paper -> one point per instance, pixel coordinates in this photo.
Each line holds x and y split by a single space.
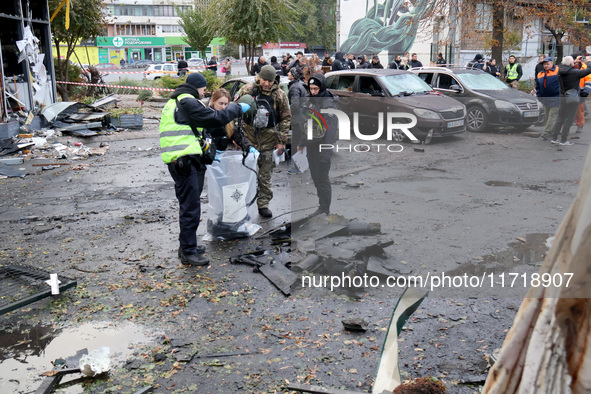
96 362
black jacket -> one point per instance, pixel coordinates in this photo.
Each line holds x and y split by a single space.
256 68
375 65
325 62
415 63
396 65
213 65
201 115
182 64
338 63
277 67
351 64
570 77
323 100
222 141
492 70
296 89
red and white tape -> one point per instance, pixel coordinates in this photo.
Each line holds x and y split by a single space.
115 86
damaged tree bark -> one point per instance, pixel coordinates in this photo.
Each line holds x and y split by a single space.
548 349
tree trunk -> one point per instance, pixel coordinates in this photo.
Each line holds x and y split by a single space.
498 16
558 38
548 349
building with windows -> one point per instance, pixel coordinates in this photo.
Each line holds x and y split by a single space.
147 29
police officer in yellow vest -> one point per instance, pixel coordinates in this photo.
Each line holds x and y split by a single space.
513 73
181 149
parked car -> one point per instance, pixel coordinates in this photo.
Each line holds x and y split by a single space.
196 63
490 102
144 63
106 66
371 91
156 71
233 85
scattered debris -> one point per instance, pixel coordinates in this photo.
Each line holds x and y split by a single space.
355 324
95 362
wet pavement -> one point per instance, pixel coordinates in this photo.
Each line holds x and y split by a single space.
467 204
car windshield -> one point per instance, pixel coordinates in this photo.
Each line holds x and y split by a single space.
481 81
405 84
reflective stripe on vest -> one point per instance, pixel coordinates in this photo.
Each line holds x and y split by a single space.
176 140
512 71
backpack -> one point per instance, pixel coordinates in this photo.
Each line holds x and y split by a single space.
265 115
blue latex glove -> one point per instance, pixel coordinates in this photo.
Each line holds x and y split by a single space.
244 107
217 154
253 150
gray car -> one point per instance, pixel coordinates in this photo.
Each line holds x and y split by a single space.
370 92
490 103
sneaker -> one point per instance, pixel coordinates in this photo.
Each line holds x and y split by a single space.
545 136
556 142
565 143
193 259
580 129
265 212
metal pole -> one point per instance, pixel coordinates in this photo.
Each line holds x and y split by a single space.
4 99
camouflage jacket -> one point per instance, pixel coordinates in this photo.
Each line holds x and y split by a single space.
267 138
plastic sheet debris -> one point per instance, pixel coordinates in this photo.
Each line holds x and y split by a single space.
12 171
96 362
278 158
301 160
231 190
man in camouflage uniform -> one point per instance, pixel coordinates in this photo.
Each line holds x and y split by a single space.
266 90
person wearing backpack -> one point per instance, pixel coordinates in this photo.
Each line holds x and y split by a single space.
182 148
267 129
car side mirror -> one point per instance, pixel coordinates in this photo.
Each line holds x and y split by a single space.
455 87
377 93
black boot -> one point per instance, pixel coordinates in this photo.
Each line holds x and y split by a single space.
193 259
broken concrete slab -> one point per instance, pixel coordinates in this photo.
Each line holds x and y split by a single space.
280 276
386 268
309 263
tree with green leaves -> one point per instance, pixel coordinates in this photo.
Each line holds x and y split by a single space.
197 25
254 22
317 23
87 20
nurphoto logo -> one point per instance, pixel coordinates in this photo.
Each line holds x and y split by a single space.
397 126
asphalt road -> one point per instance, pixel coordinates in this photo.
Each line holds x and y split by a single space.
462 205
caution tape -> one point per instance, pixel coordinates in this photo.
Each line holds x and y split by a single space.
115 86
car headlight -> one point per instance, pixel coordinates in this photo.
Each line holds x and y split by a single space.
502 104
425 113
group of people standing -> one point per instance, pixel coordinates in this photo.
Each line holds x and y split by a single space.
344 61
563 89
511 73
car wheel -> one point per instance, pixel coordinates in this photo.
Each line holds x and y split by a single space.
476 119
398 136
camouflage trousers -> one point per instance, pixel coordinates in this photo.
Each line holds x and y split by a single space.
266 165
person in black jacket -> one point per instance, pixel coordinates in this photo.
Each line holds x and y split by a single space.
213 64
361 62
375 62
339 62
569 98
491 68
319 160
326 61
186 169
297 87
351 62
276 65
256 68
397 64
182 66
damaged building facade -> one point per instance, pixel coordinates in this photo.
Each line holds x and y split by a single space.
27 78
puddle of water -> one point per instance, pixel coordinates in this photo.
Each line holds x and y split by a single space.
26 352
530 253
514 184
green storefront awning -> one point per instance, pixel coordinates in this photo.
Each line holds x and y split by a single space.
180 41
125 42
